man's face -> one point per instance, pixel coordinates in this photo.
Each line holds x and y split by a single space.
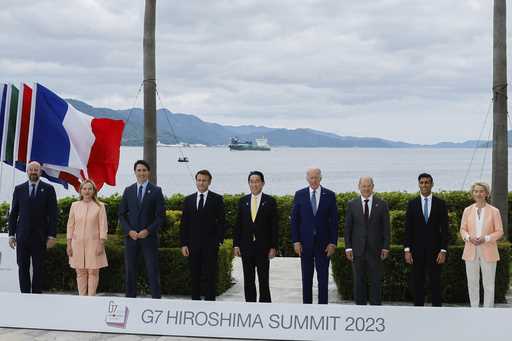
141 173
34 172
255 184
314 177
425 185
365 188
202 182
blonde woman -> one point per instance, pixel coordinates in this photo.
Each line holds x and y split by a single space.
481 228
86 235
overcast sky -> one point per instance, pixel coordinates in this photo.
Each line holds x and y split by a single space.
411 70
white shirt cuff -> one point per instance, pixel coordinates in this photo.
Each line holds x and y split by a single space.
487 238
407 249
50 237
348 250
12 237
443 250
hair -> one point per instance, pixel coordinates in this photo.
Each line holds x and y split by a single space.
369 178
425 175
485 185
204 172
314 169
94 190
257 173
141 162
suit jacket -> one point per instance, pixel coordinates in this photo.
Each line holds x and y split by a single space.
264 229
33 218
205 227
150 214
87 224
430 236
303 222
362 237
493 227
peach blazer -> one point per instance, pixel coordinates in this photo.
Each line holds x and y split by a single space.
87 224
493 227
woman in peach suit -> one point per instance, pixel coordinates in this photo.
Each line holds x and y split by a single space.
86 235
481 228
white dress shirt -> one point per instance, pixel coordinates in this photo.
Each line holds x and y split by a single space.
144 185
429 205
370 201
317 194
205 194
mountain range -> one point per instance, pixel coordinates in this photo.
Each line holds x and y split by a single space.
174 128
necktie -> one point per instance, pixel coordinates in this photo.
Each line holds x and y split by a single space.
139 194
254 208
313 202
366 212
33 191
425 210
201 202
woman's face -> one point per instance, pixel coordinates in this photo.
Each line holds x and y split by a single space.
87 191
479 194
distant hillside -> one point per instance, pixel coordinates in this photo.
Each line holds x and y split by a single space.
191 129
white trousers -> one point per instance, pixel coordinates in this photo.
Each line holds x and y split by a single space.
473 274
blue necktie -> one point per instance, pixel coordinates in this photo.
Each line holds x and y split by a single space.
425 210
33 191
139 195
313 202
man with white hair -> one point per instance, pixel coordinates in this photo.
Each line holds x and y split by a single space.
367 235
314 225
32 227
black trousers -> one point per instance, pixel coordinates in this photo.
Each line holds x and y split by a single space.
367 271
149 249
424 264
29 250
253 260
203 262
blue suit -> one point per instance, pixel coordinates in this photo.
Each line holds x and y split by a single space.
136 216
314 232
32 221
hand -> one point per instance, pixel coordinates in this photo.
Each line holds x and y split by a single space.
480 240
184 251
408 257
143 234
100 248
474 241
441 257
297 247
330 249
349 255
12 243
272 253
51 243
384 254
236 251
69 249
133 235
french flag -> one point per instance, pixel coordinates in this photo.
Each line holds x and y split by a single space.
72 145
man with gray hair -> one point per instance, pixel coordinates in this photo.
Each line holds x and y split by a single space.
314 225
32 227
367 235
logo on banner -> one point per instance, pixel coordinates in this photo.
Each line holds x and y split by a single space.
117 315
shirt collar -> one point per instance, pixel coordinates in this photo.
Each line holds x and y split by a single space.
144 184
429 197
30 183
205 193
370 198
256 196
318 190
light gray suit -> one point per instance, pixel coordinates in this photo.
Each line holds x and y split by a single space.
367 238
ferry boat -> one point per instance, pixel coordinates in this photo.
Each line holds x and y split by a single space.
261 144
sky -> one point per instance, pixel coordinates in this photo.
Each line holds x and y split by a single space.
409 70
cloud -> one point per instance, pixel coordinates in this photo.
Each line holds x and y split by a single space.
351 67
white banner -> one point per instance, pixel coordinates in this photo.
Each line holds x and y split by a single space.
252 320
8 266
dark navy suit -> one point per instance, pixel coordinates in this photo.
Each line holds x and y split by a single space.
314 232
32 221
136 216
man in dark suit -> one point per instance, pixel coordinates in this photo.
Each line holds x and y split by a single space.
202 232
367 237
314 225
426 240
32 227
142 213
255 237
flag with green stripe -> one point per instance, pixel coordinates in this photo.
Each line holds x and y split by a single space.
9 131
